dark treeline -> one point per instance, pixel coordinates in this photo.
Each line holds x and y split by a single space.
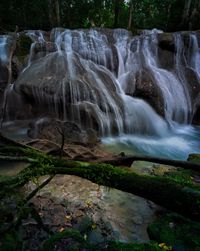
168 15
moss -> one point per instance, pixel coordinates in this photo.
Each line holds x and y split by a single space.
165 191
172 191
66 234
117 246
194 158
11 242
23 45
184 177
177 231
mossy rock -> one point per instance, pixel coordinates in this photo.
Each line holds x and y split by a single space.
118 246
194 157
84 224
23 45
10 242
176 231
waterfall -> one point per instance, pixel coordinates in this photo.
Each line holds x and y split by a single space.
194 61
97 57
3 52
91 78
177 104
36 37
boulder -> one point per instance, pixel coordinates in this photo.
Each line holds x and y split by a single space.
166 41
146 88
166 50
55 130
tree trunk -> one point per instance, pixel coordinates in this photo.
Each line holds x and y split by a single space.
127 161
130 16
160 190
186 12
117 10
54 13
169 194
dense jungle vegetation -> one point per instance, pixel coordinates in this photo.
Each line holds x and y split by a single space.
168 15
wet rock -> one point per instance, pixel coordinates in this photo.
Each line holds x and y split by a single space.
56 130
193 84
146 88
23 44
41 49
138 220
57 92
7 47
95 237
84 224
73 199
196 116
166 41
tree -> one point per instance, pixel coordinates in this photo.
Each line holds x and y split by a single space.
117 8
54 13
130 15
190 14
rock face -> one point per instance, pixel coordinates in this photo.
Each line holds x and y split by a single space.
70 202
146 89
93 78
55 130
7 46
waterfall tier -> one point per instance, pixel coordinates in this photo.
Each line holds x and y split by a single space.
108 80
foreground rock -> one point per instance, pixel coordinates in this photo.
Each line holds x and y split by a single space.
46 207
102 214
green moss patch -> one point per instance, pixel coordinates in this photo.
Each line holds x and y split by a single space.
177 231
194 158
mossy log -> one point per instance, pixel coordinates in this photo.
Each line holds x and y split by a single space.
162 191
19 158
128 160
167 193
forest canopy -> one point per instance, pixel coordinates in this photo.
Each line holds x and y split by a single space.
168 15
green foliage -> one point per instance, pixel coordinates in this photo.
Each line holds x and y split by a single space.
146 14
183 177
177 231
116 246
73 234
11 242
172 229
194 158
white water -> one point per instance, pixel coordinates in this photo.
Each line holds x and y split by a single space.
98 70
136 116
36 37
3 53
195 54
177 145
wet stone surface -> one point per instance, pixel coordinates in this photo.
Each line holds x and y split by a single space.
98 213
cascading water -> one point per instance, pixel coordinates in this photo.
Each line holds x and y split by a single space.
4 59
3 53
87 77
36 36
195 54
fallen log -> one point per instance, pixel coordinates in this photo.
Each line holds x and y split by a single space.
19 158
167 193
128 161
160 190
